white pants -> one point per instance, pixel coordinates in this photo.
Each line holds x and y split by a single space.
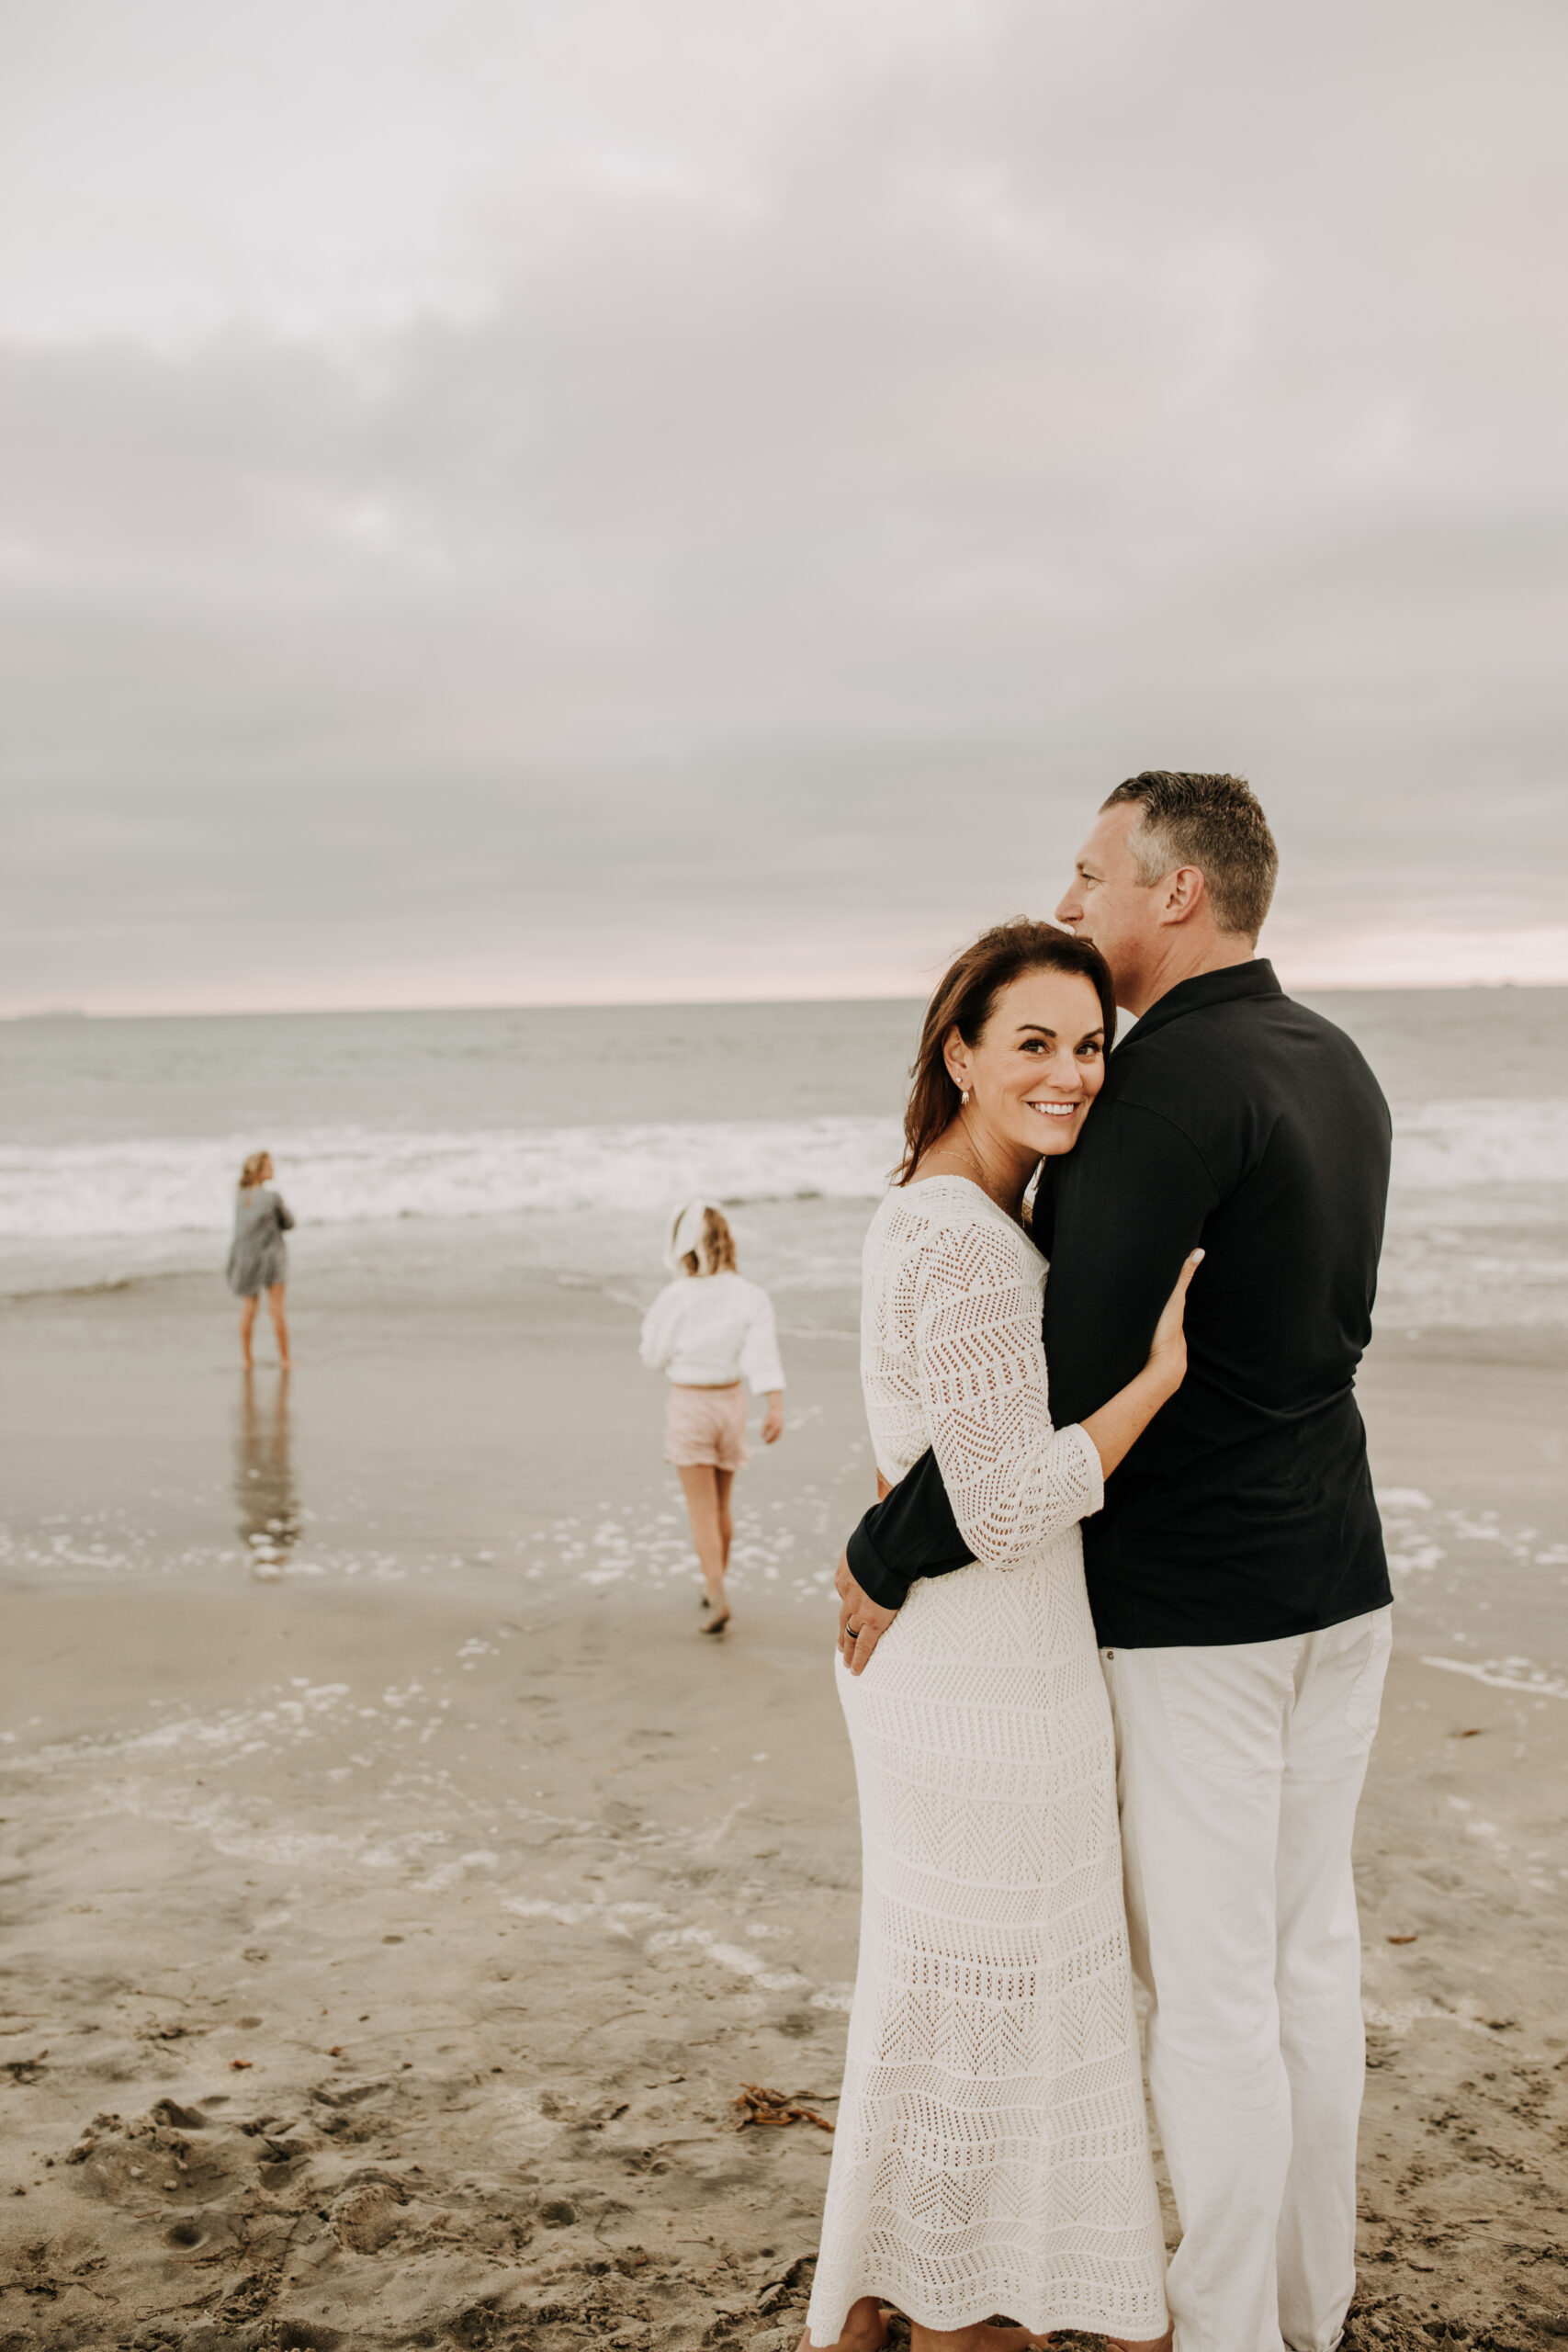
1239 1771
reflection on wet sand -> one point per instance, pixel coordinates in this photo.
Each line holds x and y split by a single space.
268 1507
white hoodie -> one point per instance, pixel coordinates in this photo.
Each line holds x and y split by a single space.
705 1330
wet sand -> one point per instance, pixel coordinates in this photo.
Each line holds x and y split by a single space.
385 1947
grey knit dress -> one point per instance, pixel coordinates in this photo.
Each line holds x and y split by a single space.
258 1255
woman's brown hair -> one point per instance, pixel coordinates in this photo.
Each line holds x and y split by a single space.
965 1000
251 1173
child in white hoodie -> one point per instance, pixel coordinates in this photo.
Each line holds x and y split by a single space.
710 1331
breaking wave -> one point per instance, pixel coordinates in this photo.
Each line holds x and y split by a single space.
357 1175
351 1175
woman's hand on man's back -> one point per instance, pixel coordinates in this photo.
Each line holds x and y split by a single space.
1167 1348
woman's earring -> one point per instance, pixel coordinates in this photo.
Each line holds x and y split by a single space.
963 1098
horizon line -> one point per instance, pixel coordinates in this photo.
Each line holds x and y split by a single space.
67 1012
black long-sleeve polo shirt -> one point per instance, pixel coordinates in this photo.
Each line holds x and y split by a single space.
1233 1117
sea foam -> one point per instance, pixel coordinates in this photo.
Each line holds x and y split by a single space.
351 1175
1450 1145
358 1175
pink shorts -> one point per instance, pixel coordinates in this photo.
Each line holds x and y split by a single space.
707 1425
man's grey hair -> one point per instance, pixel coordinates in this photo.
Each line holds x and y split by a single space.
1213 822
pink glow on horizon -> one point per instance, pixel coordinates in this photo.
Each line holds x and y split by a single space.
1416 959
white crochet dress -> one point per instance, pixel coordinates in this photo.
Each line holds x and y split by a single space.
991 2155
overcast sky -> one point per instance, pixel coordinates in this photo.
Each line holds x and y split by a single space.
506 502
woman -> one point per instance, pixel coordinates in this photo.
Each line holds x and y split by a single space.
258 1255
709 1328
991 2153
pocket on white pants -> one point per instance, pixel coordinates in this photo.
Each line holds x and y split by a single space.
1225 1707
1364 1704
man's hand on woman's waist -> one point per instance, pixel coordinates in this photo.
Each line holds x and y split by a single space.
858 1639
861 1621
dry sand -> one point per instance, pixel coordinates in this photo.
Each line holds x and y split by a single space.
382 1960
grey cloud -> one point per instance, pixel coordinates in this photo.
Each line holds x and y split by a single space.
855 438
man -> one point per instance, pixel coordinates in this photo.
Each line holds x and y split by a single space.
1236 1572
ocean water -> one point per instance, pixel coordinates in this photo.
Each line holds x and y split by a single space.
431 1155
573 1132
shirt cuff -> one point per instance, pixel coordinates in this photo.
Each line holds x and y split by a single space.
873 1574
1095 1475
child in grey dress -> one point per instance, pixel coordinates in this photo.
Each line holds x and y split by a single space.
258 1255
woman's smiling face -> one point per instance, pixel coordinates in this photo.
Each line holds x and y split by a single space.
1037 1065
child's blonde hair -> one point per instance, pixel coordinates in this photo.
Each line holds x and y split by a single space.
719 1246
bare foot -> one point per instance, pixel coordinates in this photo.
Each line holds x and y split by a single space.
718 1624
865 2329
